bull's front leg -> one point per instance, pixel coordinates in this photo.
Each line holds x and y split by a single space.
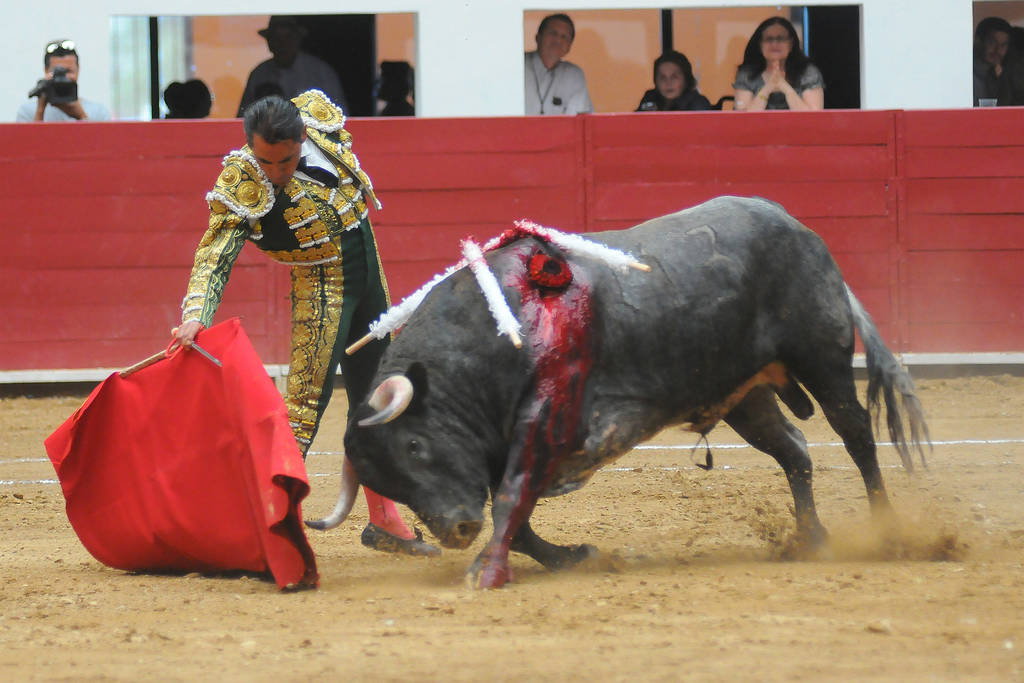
512 505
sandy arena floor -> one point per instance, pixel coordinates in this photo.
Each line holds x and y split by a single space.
690 584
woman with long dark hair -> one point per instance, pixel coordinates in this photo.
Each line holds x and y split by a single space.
675 87
775 73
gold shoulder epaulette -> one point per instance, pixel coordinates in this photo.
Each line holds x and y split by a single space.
242 186
319 112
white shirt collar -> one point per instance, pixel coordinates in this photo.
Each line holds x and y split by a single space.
314 156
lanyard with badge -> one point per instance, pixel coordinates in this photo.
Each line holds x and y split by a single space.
556 101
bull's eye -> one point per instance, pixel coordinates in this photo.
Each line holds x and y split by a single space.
415 448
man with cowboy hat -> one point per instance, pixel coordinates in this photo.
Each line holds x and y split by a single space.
290 71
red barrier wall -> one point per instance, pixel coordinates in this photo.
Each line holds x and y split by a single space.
923 211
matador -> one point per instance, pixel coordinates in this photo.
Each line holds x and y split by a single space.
296 190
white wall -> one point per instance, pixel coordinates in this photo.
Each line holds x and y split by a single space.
916 53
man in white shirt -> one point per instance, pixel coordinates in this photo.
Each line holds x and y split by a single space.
553 85
67 106
290 71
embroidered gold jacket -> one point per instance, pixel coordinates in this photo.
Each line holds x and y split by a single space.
300 226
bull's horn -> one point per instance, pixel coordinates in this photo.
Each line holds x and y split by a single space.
347 497
390 398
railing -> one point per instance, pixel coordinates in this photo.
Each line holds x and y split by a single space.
923 210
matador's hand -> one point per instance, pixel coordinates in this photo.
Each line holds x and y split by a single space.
185 334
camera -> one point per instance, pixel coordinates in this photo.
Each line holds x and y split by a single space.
58 90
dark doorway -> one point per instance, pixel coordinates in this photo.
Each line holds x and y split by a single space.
833 42
348 43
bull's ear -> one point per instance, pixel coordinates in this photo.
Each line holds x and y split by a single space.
417 374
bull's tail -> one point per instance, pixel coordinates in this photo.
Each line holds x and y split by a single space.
888 377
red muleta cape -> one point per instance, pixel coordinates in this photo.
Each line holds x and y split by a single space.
187 466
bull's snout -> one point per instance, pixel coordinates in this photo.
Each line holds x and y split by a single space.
456 533
465 532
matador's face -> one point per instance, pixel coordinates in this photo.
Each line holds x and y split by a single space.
279 159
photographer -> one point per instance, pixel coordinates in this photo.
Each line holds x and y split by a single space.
55 98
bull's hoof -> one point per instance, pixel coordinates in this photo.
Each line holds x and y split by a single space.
377 538
808 543
488 573
490 576
570 556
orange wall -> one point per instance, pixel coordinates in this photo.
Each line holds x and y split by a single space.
1013 12
226 48
396 38
224 51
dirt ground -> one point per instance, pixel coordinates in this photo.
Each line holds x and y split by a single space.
690 586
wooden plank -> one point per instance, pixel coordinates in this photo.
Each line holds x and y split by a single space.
101 250
436 243
731 163
803 200
957 337
865 271
477 170
99 353
790 128
173 176
47 287
854 234
114 320
965 195
381 136
933 232
91 214
546 205
965 303
965 162
984 269
976 127
94 140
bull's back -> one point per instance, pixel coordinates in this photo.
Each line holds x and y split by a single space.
728 293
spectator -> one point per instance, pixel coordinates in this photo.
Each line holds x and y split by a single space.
775 73
998 69
188 100
56 96
675 88
291 69
394 87
553 85
297 191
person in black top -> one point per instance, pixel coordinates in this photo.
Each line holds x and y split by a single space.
675 88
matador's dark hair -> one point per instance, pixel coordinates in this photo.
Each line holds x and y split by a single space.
274 119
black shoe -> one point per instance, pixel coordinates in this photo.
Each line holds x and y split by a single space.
375 537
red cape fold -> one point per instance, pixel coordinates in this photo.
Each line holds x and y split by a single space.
187 466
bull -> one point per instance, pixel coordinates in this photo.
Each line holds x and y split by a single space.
743 306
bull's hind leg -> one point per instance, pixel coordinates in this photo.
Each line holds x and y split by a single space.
759 421
548 554
837 395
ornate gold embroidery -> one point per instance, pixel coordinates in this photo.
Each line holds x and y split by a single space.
242 186
217 250
320 253
319 112
317 295
249 193
229 177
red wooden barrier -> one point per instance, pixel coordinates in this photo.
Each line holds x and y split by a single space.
923 211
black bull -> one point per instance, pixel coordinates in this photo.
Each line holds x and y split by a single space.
743 304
